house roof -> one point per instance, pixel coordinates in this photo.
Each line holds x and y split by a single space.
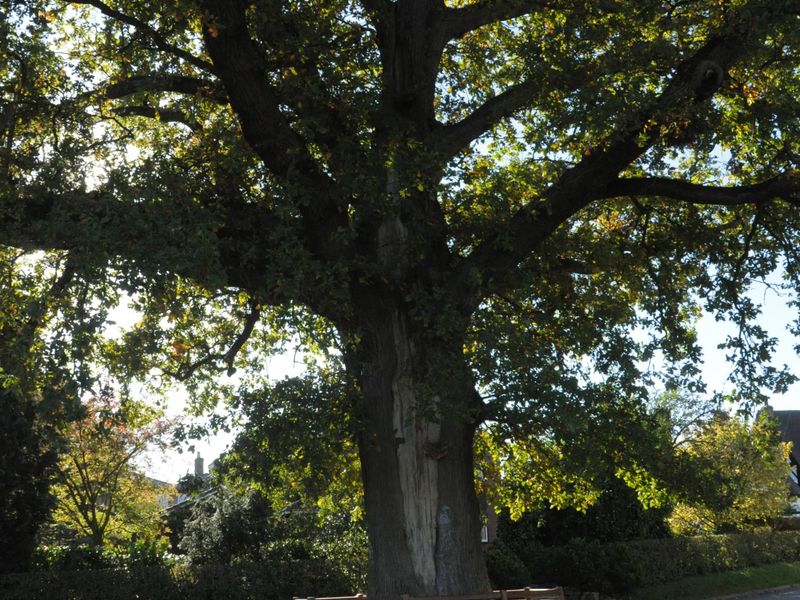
789 427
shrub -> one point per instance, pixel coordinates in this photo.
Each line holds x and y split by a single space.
506 570
623 566
234 529
242 580
75 557
92 585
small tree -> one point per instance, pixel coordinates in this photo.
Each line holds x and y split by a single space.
296 445
742 476
101 495
26 469
35 395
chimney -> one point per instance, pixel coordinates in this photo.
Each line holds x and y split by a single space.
198 465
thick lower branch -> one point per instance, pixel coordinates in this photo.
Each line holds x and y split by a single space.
241 67
161 114
785 187
154 236
179 84
463 20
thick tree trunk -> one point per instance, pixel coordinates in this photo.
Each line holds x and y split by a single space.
418 423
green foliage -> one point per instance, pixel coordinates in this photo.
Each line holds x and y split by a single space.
614 479
297 445
178 515
506 570
191 484
624 566
93 585
243 581
742 470
225 525
36 396
617 515
614 456
227 528
78 557
27 468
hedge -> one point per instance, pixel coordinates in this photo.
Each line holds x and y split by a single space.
608 568
240 581
623 566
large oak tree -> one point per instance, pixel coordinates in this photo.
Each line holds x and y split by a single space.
483 200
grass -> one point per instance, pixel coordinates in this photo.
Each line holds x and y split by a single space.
721 584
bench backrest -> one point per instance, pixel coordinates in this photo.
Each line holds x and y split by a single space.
555 593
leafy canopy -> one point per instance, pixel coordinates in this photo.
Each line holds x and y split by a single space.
560 188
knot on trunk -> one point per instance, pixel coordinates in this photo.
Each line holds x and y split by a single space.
436 450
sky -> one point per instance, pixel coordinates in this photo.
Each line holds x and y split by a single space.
776 318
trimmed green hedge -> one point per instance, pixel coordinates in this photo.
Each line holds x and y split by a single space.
624 566
95 584
241 581
608 568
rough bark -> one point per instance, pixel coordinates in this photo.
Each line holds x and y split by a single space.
416 457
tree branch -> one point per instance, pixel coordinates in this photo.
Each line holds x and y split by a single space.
379 7
497 256
461 21
188 369
381 13
245 75
785 187
158 39
162 114
153 235
165 83
449 139
42 306
242 69
249 324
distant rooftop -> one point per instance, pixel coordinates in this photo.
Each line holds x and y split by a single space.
789 426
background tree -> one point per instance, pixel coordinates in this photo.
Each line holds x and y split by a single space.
27 470
744 469
101 493
192 488
35 397
474 202
296 446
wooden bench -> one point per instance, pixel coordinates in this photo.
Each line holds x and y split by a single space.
555 593
356 597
